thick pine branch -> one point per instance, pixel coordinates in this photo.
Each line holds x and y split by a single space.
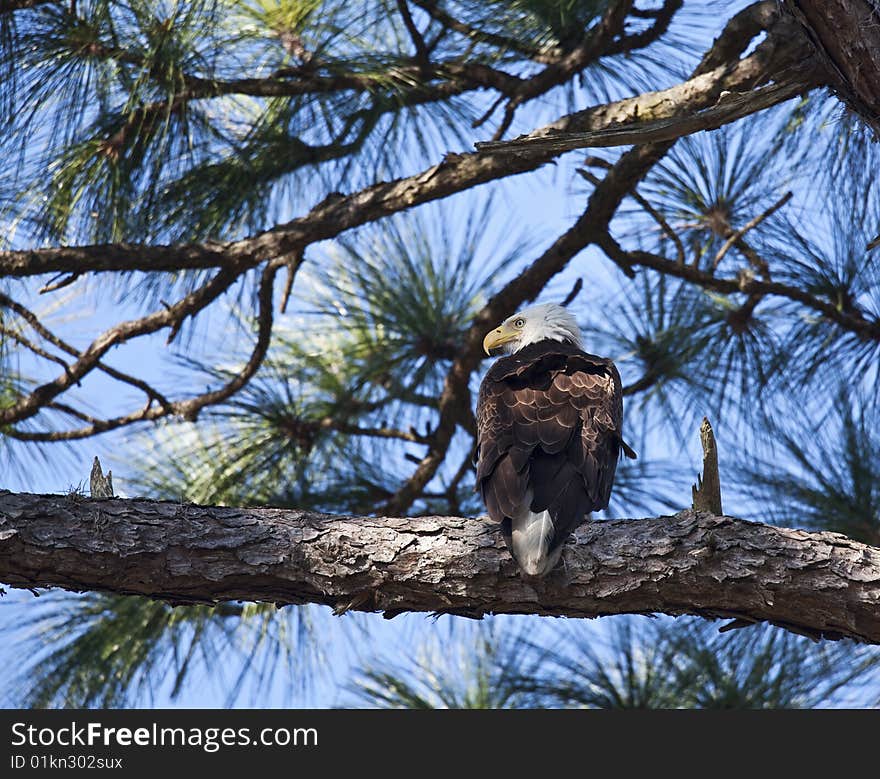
820 584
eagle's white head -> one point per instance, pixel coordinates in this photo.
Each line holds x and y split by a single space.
533 324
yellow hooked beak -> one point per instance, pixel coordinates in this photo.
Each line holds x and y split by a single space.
498 337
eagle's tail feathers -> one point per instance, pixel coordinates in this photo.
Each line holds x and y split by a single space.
531 537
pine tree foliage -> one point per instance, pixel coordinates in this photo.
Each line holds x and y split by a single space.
829 480
104 651
627 664
689 664
482 672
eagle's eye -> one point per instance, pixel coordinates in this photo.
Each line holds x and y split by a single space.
519 323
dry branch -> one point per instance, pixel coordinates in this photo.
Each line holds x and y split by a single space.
100 486
730 108
707 491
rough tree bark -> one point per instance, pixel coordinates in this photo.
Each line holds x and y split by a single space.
821 584
846 37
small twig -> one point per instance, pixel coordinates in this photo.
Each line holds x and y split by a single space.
488 115
587 176
574 292
664 225
292 265
48 335
71 411
189 409
54 285
750 225
175 325
414 34
32 347
509 113
707 491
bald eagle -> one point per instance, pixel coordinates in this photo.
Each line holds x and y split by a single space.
549 420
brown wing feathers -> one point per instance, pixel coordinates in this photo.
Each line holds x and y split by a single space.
549 421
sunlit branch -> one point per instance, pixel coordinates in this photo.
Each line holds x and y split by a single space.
729 109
